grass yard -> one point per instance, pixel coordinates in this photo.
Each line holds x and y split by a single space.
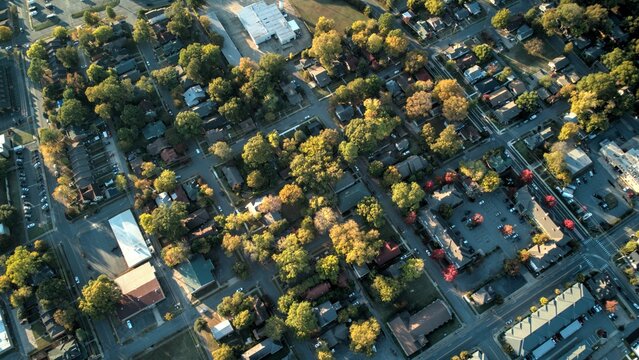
21 137
524 63
417 295
338 10
183 346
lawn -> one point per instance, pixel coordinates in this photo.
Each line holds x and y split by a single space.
524 63
338 10
22 137
183 346
417 295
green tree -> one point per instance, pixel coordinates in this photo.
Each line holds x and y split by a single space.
349 151
221 89
242 319
99 297
292 262
166 76
391 176
68 56
528 101
166 182
37 50
386 288
60 32
180 20
363 335
232 110
448 143
355 245
435 7
385 22
414 61
412 269
568 131
326 47
223 352
483 52
174 254
626 74
72 112
200 62
66 317
257 151
103 33
316 167
200 325
7 213
166 221
375 43
21 265
188 124
274 64
142 31
110 12
328 268
234 304
275 328
324 25
91 18
371 210
121 182
301 319
407 196
38 68
5 33
97 73
500 19
614 58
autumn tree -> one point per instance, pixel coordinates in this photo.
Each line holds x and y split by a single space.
328 268
556 164
292 262
435 7
99 297
174 254
455 108
363 335
166 221
188 124
325 218
222 150
418 104
371 210
20 265
540 239
355 245
534 47
500 19
257 151
412 269
316 167
223 352
568 131
407 196
166 181
490 182
326 47
234 304
448 143
395 43
483 52
291 194
414 61
301 319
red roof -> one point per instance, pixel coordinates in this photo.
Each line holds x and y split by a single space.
423 75
389 251
317 291
168 155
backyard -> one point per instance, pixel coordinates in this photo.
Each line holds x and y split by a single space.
338 10
183 346
524 63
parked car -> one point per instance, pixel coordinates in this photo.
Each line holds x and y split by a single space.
30 226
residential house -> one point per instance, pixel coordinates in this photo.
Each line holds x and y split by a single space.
412 165
577 162
473 7
633 257
327 312
194 274
82 171
483 296
405 82
350 197
410 331
487 85
388 252
157 146
169 156
499 162
517 87
448 195
474 74
154 130
197 218
537 139
193 95
320 75
507 112
524 32
456 51
140 290
262 350
461 14
393 88
270 217
318 290
204 109
465 62
133 75
215 135
336 335
532 336
65 350
125 66
233 176
436 24
499 97
344 182
222 329
558 63
344 112
290 91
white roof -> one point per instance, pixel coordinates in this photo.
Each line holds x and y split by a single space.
222 329
133 279
5 342
293 25
129 238
263 21
193 95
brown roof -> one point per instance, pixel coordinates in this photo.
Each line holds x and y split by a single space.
140 289
317 291
169 155
197 218
388 252
499 96
411 331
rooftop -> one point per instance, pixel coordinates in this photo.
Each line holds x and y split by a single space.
411 331
140 290
129 238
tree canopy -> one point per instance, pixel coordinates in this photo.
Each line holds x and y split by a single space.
355 245
99 297
166 221
301 319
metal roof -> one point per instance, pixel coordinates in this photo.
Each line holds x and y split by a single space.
129 238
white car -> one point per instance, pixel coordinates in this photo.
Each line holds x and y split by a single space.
30 226
129 324
77 280
635 305
34 13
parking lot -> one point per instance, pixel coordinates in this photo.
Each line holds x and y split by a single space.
33 193
101 251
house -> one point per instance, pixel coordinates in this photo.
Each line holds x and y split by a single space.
351 63
462 14
336 335
456 51
270 217
499 97
350 197
517 87
154 130
532 336
483 296
133 75
421 28
306 63
215 135
507 112
546 6
524 32
393 88
169 155
222 329
388 252
140 290
125 67
448 195
204 109
473 7
474 74
537 139
163 198
412 165
318 290
436 24
344 182
465 62
487 85
53 329
407 17
405 82
193 95
82 173
262 350
577 162
634 259
290 91
157 146
410 331
558 63
197 218
327 313
320 75
344 112
233 176
194 274
602 287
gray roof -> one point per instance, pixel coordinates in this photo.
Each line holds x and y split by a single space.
349 198
507 112
577 161
326 313
411 165
153 130
124 67
344 112
203 109
541 325
344 182
473 7
320 75
233 176
80 164
261 350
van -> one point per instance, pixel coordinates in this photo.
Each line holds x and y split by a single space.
51 16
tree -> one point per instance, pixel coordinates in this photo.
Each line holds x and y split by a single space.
242 319
448 143
99 297
412 269
221 89
435 7
490 182
326 47
180 20
38 69
534 47
166 182
291 194
614 58
414 61
275 328
223 352
324 25
626 74
21 265
568 131
325 218
569 17
110 12
188 124
556 164
528 101
72 112
222 150
142 31
391 176
385 22
103 33
629 247
292 262
200 62
315 167
328 268
450 273
68 56
20 296
428 133
418 104
232 110
5 33
166 221
363 335
396 43
121 182
91 18
500 19
407 196
301 319
371 210
611 306
257 151
97 73
7 213
483 52
167 77
354 244
255 179
512 266
66 317
174 254
111 92
233 304
447 88
375 43
200 325
60 32
540 239
455 108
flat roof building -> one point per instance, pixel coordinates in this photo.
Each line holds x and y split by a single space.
129 238
140 290
626 162
577 161
263 21
5 340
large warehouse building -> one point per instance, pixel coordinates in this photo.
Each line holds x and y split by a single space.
129 238
264 21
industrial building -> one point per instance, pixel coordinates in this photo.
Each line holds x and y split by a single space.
129 238
263 21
